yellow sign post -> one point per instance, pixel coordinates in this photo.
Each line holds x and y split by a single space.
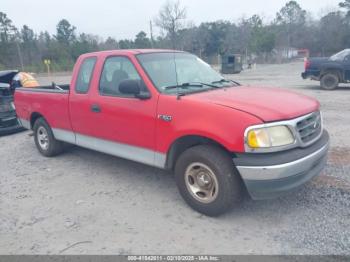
47 62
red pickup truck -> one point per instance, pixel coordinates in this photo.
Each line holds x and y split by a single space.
171 110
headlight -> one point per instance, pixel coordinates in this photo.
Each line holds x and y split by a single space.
267 137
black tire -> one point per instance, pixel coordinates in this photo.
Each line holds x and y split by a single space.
329 81
230 186
54 147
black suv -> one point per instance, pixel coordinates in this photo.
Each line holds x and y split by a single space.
8 119
330 71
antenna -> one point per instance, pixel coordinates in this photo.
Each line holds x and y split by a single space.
177 81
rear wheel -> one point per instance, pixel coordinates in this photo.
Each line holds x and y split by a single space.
329 81
208 180
44 139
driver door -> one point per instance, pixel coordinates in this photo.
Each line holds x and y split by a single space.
123 125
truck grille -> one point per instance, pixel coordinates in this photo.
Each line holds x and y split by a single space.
309 128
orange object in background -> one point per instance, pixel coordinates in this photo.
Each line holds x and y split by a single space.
26 80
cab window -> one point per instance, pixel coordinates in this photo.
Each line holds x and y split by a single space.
115 70
84 75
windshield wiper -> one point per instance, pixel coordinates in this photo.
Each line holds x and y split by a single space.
189 84
225 81
183 86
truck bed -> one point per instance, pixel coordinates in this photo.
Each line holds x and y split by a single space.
50 101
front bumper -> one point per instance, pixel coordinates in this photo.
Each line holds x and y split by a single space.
273 174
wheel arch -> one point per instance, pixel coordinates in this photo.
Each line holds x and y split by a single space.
183 143
33 117
335 70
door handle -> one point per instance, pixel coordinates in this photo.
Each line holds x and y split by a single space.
95 108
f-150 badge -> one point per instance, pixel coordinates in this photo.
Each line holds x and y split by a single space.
165 118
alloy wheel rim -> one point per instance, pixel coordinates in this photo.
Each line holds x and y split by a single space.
201 182
43 138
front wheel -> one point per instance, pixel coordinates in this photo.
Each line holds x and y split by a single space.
329 81
207 180
44 139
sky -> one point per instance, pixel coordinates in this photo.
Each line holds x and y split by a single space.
124 19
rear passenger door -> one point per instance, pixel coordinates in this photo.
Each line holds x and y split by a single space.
80 97
124 125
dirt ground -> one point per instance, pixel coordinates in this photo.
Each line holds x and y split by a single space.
84 202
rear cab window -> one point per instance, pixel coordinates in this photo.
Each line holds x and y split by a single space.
85 74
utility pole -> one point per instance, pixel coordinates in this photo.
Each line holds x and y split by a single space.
151 32
19 53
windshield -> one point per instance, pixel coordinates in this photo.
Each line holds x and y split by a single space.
341 55
180 70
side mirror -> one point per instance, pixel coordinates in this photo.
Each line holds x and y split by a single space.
133 87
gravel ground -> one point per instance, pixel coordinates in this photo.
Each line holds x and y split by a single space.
84 202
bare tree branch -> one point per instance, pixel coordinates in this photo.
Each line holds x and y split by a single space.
171 19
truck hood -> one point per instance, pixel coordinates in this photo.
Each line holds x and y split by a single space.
268 104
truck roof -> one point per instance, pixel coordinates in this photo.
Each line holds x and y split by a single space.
131 52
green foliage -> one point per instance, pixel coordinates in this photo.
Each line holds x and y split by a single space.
65 32
7 29
85 44
27 34
8 34
262 40
249 36
291 24
332 32
212 37
346 5
126 44
255 21
291 14
142 41
109 44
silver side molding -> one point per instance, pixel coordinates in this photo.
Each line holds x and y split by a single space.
134 153
64 135
24 123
